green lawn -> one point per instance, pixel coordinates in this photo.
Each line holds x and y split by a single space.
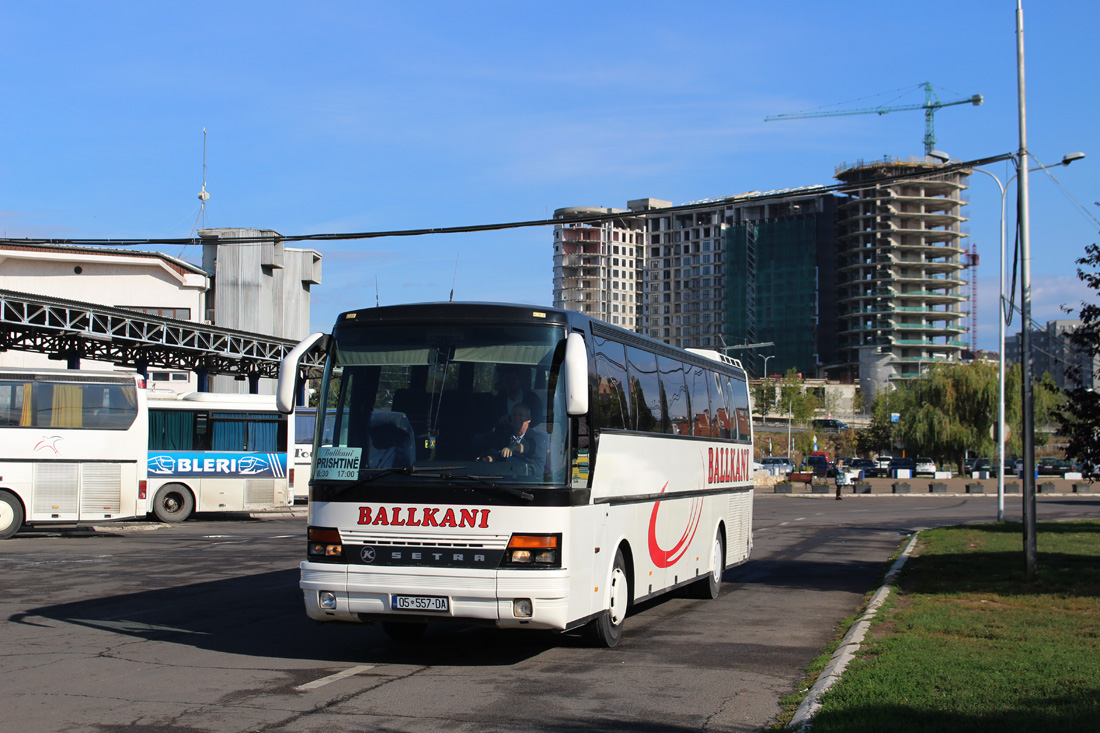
966 643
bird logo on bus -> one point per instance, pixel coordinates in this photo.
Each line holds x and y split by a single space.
49 443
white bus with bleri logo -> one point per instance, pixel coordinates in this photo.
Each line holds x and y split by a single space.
216 453
73 447
518 466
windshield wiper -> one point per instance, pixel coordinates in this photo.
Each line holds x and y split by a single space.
432 472
482 481
375 474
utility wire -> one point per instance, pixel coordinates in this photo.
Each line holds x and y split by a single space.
581 219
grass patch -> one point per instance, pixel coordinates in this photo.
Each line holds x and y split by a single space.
969 644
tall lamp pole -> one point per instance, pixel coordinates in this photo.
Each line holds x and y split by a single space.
1023 220
1003 318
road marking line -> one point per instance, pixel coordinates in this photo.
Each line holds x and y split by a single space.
799 519
783 524
351 672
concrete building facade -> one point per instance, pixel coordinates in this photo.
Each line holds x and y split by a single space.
901 290
256 287
729 272
1052 353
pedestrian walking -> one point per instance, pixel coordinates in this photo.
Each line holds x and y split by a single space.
841 478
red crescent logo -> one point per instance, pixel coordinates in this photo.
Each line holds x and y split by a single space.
661 557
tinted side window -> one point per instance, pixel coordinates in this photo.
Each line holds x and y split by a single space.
740 396
720 405
611 401
676 396
701 414
645 391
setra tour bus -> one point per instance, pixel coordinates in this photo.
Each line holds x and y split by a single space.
216 453
73 447
518 466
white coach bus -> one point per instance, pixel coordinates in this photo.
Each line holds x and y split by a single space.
73 447
216 452
518 466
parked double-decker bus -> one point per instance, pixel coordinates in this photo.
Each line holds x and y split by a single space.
72 447
518 466
216 452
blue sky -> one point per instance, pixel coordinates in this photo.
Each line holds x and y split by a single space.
361 116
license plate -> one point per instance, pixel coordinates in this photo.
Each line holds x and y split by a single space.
419 603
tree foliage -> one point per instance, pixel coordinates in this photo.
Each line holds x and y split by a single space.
951 410
1080 417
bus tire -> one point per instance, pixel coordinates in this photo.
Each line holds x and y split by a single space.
11 515
404 632
607 629
173 503
708 587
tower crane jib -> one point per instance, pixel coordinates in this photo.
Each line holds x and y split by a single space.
931 104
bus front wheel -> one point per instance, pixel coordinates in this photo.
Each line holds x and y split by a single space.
607 629
173 503
11 515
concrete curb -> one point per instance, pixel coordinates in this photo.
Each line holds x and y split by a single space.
849 645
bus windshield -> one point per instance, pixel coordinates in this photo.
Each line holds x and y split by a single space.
452 401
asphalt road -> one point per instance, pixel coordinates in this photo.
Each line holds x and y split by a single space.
199 627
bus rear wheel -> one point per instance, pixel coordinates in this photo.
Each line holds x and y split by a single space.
11 515
173 503
607 629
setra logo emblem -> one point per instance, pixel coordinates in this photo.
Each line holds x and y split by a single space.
368 554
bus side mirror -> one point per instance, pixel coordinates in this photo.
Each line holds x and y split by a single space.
288 373
576 376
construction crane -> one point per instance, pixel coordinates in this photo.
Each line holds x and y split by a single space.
931 104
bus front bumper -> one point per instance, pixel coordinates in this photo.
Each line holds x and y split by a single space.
478 595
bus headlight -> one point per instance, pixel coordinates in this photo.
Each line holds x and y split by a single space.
533 550
325 544
326 599
522 608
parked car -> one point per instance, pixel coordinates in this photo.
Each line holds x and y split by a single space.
925 467
1012 467
882 466
982 464
818 463
829 425
1051 466
865 466
902 464
777 465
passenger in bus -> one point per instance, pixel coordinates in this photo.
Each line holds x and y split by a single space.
518 442
513 392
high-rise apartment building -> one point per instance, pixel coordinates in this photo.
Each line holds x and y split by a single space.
901 297
867 285
729 272
598 266
1053 354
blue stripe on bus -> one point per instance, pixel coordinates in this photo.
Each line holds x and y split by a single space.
217 464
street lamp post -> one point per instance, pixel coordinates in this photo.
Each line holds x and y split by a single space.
765 374
1003 316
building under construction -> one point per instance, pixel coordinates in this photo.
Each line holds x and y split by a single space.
863 286
901 297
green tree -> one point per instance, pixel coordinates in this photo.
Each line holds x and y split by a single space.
793 398
952 409
763 397
1079 417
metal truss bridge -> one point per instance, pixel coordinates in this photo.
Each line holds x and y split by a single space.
71 330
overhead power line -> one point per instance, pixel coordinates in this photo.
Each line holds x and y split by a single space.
579 219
